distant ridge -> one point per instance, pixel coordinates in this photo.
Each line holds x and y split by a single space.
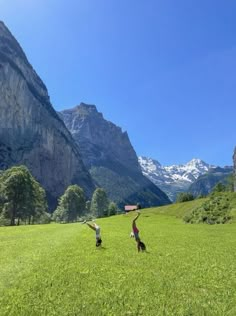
206 182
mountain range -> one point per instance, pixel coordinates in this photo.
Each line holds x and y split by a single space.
79 146
181 178
76 146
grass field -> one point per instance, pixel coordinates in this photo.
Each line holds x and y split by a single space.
56 269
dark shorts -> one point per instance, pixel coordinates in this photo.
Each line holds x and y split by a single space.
136 236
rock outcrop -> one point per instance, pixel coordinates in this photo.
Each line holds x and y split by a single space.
31 132
108 154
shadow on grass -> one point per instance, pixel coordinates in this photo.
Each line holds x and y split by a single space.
101 248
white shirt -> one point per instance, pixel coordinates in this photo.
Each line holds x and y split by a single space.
97 231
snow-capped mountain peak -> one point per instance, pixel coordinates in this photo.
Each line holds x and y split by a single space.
175 178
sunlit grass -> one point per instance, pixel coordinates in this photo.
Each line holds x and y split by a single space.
57 270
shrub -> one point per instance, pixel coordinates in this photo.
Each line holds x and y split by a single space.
216 210
112 209
44 218
184 197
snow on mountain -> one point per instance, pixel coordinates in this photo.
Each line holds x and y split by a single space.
173 179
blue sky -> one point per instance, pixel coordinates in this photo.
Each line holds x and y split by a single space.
163 70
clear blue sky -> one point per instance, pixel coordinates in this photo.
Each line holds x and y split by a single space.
163 70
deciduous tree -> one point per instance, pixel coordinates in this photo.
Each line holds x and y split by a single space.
22 197
99 203
71 204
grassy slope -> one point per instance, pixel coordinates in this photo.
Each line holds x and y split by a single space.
178 210
56 269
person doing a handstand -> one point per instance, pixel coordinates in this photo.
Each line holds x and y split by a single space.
97 230
140 244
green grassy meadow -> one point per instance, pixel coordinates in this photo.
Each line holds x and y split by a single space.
56 269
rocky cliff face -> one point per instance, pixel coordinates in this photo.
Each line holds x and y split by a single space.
31 133
101 142
110 157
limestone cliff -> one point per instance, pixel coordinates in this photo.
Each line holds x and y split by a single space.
31 133
108 154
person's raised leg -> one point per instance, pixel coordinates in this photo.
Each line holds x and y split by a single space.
134 220
91 226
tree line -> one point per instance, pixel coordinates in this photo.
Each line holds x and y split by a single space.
23 201
73 206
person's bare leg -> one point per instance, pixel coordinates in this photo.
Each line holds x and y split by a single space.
134 220
91 226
